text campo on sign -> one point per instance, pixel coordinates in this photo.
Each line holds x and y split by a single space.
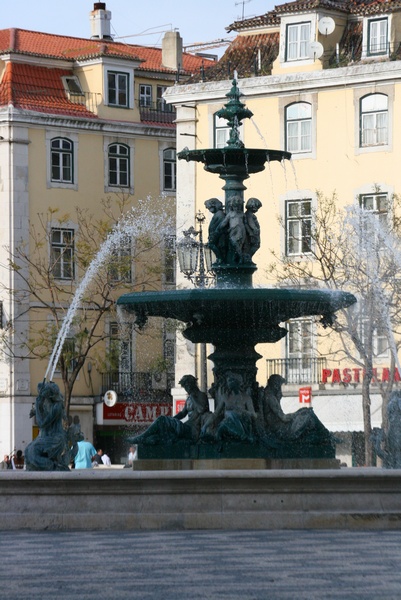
356 375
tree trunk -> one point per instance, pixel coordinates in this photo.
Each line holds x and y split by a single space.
367 422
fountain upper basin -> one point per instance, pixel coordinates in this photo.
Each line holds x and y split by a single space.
251 314
234 161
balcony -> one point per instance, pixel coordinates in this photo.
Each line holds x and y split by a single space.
156 112
298 371
138 387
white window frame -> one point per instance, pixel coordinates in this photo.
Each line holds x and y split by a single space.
145 95
107 142
120 76
221 132
299 331
122 170
125 345
290 20
51 135
169 345
63 149
116 66
169 162
363 92
68 340
301 220
122 253
63 247
301 124
380 343
169 260
297 45
72 86
374 117
380 38
284 104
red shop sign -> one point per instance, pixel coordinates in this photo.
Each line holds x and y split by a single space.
305 395
135 412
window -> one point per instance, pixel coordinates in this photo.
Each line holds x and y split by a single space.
118 89
299 350
169 336
61 153
161 103
376 204
72 86
377 36
120 268
297 41
300 340
380 345
119 171
374 120
145 95
169 259
221 132
169 169
62 253
121 347
298 227
298 127
68 355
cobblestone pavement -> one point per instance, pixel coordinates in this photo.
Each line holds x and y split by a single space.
248 565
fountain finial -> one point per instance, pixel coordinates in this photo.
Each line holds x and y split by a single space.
234 111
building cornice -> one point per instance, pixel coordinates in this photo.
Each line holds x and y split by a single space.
15 116
361 74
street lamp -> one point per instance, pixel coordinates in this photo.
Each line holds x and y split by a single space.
194 256
195 259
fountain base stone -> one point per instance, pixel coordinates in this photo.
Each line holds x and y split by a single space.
228 499
254 464
184 450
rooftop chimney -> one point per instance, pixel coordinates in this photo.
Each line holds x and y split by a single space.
100 19
172 50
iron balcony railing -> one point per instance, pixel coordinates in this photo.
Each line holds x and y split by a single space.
297 370
156 112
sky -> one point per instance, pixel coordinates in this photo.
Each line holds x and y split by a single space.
135 22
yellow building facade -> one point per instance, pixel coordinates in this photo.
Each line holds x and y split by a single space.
323 82
83 124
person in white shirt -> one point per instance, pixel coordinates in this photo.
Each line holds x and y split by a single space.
133 454
106 460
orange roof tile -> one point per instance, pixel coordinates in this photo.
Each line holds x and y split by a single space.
249 55
39 89
70 48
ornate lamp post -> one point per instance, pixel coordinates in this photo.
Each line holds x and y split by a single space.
195 259
194 256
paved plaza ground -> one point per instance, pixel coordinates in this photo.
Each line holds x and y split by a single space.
246 565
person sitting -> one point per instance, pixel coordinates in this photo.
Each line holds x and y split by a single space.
106 460
18 460
97 458
6 463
